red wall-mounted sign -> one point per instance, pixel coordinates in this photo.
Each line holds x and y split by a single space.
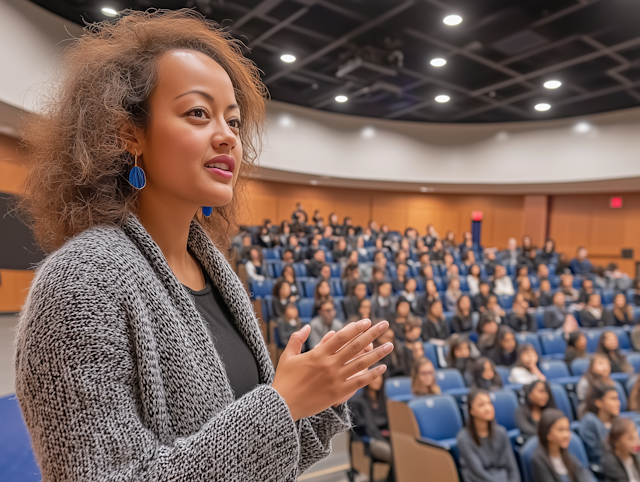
476 216
615 202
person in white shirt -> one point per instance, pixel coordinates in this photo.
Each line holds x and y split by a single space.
502 284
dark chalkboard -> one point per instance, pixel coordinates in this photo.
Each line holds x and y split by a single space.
18 249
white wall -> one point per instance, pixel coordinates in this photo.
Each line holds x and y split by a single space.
307 141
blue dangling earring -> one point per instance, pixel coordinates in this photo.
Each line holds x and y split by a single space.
207 210
136 175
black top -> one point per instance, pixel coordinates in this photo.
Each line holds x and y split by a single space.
237 357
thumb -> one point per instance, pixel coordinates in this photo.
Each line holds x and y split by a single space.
296 341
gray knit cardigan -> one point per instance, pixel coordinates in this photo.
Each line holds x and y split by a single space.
118 378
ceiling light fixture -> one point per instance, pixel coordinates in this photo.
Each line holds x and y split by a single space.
452 20
341 98
109 12
443 98
543 107
288 58
552 84
582 127
368 132
438 62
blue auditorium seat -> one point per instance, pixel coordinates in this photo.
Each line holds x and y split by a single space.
450 380
553 345
339 309
634 360
593 337
309 286
606 296
336 288
530 339
271 253
440 284
438 418
623 337
17 462
630 293
505 301
305 307
431 353
505 403
328 256
558 372
263 288
336 270
561 398
554 281
300 270
579 366
398 389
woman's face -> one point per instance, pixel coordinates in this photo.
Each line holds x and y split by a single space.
558 299
287 272
285 291
620 300
538 396
191 149
291 312
465 303
525 284
454 284
462 351
560 433
610 403
482 408
436 309
427 374
365 309
548 246
411 286
629 442
431 287
490 327
255 255
360 291
508 342
594 301
529 358
475 271
487 372
353 257
403 309
581 343
601 366
325 272
324 289
610 341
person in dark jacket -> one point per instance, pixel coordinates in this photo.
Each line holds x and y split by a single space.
580 265
485 448
400 360
484 375
382 303
288 323
576 347
481 299
281 297
620 460
537 398
594 315
556 314
462 322
435 326
603 407
519 319
552 461
609 346
351 302
504 350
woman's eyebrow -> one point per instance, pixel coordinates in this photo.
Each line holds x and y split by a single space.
209 97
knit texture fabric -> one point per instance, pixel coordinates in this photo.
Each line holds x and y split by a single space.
118 378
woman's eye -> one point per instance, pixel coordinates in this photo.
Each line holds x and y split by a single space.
199 113
235 123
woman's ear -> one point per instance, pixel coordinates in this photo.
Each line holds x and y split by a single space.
132 139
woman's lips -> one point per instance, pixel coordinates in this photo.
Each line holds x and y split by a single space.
222 166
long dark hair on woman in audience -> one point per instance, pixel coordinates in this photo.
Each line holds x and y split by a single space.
547 420
479 368
347 273
620 427
597 392
593 377
551 403
458 344
617 359
634 397
471 426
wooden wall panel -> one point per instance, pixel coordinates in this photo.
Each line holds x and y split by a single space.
12 165
14 287
535 218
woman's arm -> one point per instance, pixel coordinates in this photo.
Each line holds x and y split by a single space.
523 423
251 271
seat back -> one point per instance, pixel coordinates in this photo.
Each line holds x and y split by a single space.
561 398
305 307
17 461
579 366
309 286
531 339
438 416
449 378
431 353
634 360
504 373
593 336
300 270
526 454
576 447
398 388
623 337
505 403
621 395
410 456
505 301
553 343
263 288
553 369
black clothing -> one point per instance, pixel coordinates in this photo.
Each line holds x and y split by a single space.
526 323
398 362
583 296
571 354
350 305
542 471
524 421
369 421
424 303
499 358
589 321
613 469
462 324
439 330
286 329
277 308
237 357
382 312
397 285
544 257
545 298
480 301
490 267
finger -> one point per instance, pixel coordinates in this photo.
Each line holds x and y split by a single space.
294 347
357 345
356 383
345 335
326 337
365 361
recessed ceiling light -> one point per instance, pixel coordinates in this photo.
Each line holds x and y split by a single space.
542 107
313 182
286 121
368 132
109 12
443 98
438 62
288 58
452 20
341 98
552 84
582 127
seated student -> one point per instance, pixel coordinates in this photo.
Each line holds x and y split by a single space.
324 322
622 312
431 295
594 315
452 294
571 294
522 272
526 370
413 329
462 322
340 250
551 461
254 266
378 277
544 294
519 319
484 375
287 256
490 262
597 374
609 346
401 278
620 459
586 291
481 299
580 265
364 311
494 307
409 294
469 258
448 263
603 406
351 302
288 323
524 289
281 297
399 361
296 249
314 245
487 329
485 449
576 347
382 303
502 284
426 272
453 272
437 254
289 275
435 327
321 293
402 314
459 355
537 398
547 253
555 316
473 280
423 378
504 350
325 272
369 410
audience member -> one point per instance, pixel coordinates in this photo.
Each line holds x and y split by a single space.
485 449
382 305
502 284
620 459
413 329
586 291
484 375
280 297
580 265
609 346
377 278
400 360
576 347
520 320
364 311
556 315
548 253
437 253
340 251
401 277
634 397
325 273
597 374
452 294
459 355
462 322
244 253
594 315
435 327
423 378
325 322
321 293
603 406
494 307
622 313
490 262
255 270
403 311
487 329
431 296
526 370
351 302
524 289
481 299
537 398
551 461
289 275
265 239
409 294
473 279
316 263
544 294
504 350
288 323
571 294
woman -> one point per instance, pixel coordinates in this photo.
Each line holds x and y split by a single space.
603 406
321 293
452 294
556 315
423 378
459 355
484 446
288 323
526 370
620 460
484 375
524 289
462 322
576 347
504 350
473 280
544 294
552 461
364 310
281 297
519 319
622 312
151 326
403 312
487 329
399 361
284 233
594 315
537 398
435 327
352 301
597 374
431 295
340 251
409 294
289 275
254 266
609 346
547 255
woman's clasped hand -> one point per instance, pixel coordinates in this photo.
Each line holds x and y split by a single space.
333 371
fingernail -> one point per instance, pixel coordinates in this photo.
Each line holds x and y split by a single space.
383 325
387 348
364 324
382 369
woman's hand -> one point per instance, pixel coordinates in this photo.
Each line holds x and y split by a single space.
331 372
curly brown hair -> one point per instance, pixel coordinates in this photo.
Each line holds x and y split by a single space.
79 166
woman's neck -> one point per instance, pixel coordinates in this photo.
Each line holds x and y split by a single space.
622 454
536 412
604 416
554 450
372 394
482 427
